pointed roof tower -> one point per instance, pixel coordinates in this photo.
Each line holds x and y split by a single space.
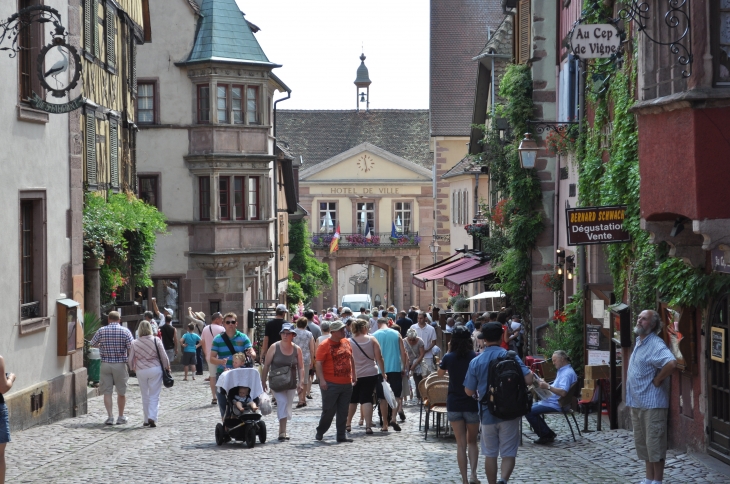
224 35
362 81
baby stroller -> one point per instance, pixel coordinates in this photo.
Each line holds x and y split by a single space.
247 426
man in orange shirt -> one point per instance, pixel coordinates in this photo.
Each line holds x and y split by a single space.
335 368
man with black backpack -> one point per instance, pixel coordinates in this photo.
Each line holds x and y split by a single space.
499 380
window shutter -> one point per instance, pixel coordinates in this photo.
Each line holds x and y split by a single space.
91 148
95 24
88 25
523 34
133 60
111 58
114 153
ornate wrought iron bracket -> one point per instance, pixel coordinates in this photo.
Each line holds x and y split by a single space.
561 128
676 17
20 22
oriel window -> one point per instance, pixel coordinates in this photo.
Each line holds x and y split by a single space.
222 103
237 104
204 192
252 105
224 187
203 103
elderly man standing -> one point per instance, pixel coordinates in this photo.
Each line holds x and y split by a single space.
335 368
559 388
647 393
426 332
114 342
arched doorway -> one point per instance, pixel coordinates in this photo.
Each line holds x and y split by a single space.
718 381
363 278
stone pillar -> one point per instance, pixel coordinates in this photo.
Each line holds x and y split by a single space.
399 282
92 296
414 289
332 262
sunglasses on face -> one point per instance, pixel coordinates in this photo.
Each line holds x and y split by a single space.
230 322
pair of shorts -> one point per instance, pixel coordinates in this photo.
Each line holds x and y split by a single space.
468 417
395 380
189 358
113 375
650 433
4 424
362 391
501 439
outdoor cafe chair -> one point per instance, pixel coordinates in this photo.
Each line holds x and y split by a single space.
437 393
567 403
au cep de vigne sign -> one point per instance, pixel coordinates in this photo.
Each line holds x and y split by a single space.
596 225
595 41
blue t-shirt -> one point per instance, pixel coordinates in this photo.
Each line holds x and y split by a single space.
470 326
190 339
240 344
477 377
564 379
390 344
457 399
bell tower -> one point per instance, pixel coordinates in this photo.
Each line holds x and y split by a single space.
362 85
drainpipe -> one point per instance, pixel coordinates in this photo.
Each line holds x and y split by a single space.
582 269
276 203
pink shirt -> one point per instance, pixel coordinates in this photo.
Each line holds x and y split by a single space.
143 354
209 333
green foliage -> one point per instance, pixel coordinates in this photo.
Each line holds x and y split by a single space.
683 285
121 234
294 293
567 335
315 274
459 303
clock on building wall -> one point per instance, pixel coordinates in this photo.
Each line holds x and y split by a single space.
365 163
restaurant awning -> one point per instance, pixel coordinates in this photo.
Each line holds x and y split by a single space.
440 271
469 274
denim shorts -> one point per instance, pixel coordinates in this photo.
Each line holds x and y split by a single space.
4 424
468 417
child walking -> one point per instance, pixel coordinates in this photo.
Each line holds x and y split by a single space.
190 342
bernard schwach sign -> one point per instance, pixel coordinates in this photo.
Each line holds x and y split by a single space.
596 225
595 41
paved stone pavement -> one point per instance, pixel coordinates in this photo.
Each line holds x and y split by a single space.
182 449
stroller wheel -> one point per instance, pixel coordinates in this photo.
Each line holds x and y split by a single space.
250 436
219 434
262 431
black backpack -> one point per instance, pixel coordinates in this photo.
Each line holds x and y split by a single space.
507 395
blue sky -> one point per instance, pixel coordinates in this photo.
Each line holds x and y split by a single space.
319 44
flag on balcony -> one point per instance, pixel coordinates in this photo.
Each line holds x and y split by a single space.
393 232
335 240
368 233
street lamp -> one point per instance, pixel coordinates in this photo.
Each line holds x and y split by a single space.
434 248
528 151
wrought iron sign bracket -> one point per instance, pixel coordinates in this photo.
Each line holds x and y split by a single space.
560 127
14 25
677 14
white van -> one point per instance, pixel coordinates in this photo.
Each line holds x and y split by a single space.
356 301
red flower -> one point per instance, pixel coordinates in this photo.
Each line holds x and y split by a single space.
114 294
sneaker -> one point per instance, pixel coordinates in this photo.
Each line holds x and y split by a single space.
402 416
501 481
152 424
109 421
345 439
318 436
146 423
122 419
543 440
395 426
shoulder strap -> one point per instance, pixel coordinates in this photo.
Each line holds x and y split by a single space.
360 348
228 343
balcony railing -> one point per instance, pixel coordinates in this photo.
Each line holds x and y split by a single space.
360 241
30 310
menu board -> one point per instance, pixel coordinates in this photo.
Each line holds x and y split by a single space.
717 344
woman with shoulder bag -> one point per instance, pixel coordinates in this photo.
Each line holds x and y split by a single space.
284 367
147 357
366 353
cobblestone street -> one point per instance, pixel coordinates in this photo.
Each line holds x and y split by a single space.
183 449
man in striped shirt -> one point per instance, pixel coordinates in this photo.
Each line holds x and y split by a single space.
647 393
114 342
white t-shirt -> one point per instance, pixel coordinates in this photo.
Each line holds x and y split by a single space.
323 337
210 332
428 335
516 326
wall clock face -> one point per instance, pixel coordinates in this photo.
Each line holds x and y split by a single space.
365 163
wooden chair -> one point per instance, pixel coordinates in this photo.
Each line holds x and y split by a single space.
568 403
595 404
423 400
437 393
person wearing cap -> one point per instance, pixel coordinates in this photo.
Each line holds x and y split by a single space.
347 319
336 373
462 410
284 353
209 333
273 328
499 437
221 354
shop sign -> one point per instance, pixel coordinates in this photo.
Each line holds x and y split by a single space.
596 225
719 264
595 41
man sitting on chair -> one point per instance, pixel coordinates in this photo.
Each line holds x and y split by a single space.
559 388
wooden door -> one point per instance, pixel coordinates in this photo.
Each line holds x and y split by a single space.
718 379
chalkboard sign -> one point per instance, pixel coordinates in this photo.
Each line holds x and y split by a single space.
717 348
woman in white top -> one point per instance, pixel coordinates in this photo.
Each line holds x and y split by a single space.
147 357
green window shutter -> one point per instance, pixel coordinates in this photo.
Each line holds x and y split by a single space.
114 153
91 148
111 59
95 20
88 25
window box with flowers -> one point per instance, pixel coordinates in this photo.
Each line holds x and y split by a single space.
477 229
360 240
562 142
553 281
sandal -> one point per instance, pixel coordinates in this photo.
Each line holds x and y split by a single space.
302 404
214 402
348 428
282 437
369 431
384 430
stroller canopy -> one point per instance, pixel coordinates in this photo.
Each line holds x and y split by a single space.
241 377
